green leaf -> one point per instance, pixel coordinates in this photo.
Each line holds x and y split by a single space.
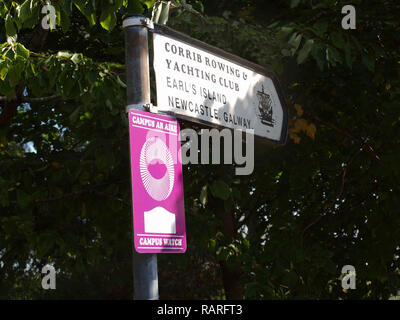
23 199
347 55
157 9
165 14
22 51
286 52
66 6
24 11
64 54
223 253
3 9
337 40
294 3
236 194
105 161
9 53
305 51
198 6
203 196
220 189
64 21
80 4
135 7
76 58
284 32
332 56
118 4
74 115
149 3
90 16
92 76
318 53
3 72
368 61
120 82
106 122
228 205
15 73
4 200
11 31
294 42
34 15
319 28
87 9
108 19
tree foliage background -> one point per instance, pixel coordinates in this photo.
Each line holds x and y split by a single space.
328 198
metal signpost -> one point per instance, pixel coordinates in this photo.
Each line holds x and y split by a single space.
195 82
138 95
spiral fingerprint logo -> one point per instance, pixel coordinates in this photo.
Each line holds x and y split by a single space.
155 151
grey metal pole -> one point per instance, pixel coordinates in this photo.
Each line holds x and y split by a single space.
145 275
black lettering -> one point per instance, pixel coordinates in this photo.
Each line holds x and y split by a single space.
181 52
176 67
206 110
171 102
188 54
190 70
216 114
181 85
177 103
173 49
183 104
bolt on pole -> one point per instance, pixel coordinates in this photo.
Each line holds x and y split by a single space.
145 276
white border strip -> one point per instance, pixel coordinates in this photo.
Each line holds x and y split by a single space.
145 115
152 248
156 130
158 235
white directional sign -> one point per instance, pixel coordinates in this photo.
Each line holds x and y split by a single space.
201 83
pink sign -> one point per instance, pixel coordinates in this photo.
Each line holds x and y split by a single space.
157 184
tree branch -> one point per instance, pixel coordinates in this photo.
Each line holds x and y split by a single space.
363 144
32 100
42 99
89 190
10 108
348 163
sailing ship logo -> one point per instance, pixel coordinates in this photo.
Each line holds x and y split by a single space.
265 107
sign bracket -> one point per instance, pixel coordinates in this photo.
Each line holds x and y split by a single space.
141 106
137 21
